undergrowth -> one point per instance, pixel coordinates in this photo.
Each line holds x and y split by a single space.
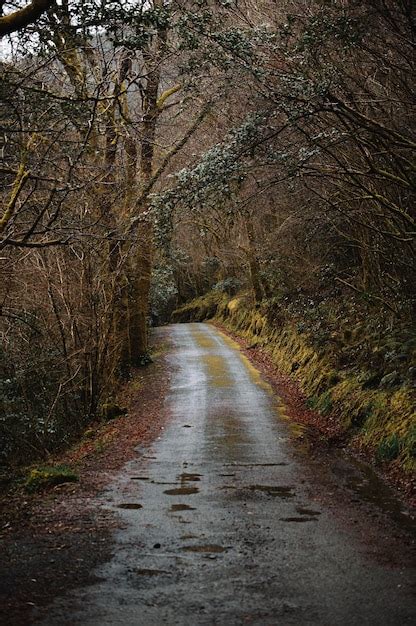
42 477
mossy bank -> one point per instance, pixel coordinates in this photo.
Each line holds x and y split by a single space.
358 373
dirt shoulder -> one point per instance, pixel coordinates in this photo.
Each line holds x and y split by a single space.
52 541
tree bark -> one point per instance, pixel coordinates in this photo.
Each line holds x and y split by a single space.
142 263
253 262
23 17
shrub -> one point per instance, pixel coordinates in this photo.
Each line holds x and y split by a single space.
229 285
42 477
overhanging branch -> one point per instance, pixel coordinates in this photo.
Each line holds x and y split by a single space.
23 17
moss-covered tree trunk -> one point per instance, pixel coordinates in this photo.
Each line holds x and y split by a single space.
252 261
138 301
118 249
141 270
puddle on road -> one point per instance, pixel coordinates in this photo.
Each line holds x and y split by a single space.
363 483
227 436
298 519
189 477
209 548
129 505
372 489
139 478
151 572
304 511
360 479
279 491
255 464
161 482
187 537
181 491
181 507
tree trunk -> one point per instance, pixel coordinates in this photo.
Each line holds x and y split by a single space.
253 262
141 271
139 294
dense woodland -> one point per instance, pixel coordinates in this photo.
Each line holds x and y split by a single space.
155 151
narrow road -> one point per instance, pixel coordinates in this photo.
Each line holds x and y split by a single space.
219 525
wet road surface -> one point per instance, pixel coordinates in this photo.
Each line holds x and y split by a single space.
219 526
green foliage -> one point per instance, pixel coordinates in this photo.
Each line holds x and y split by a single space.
410 443
230 286
344 30
163 293
214 181
325 404
388 449
143 24
43 477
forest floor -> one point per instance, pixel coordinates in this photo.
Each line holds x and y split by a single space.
220 446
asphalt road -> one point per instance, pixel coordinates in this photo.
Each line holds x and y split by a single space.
220 527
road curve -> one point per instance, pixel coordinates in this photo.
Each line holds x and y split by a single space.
219 526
